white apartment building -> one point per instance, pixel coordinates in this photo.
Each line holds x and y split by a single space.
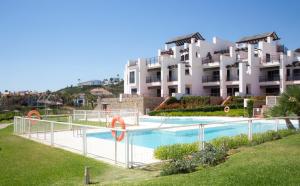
190 65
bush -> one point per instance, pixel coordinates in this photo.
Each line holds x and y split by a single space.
185 165
194 101
250 108
210 108
264 137
172 100
210 155
286 132
176 151
231 142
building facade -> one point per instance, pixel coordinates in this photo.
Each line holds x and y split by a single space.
190 65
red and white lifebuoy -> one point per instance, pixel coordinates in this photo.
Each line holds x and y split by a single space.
36 115
226 109
123 126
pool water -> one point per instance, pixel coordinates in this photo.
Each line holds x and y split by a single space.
155 138
179 121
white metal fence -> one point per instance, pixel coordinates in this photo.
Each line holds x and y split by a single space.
130 116
138 145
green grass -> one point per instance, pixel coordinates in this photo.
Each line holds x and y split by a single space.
92 123
24 162
231 113
272 163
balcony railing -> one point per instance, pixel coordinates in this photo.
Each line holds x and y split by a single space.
232 78
269 78
271 59
171 78
152 61
206 79
215 94
152 79
211 59
132 63
293 78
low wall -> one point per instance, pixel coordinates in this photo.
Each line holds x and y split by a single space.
142 103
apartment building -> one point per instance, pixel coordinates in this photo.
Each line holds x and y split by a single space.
190 65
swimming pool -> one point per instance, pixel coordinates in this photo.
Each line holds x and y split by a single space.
155 138
178 120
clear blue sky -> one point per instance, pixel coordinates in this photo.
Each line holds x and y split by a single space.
49 44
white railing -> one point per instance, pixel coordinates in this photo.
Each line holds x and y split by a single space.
130 116
139 142
271 100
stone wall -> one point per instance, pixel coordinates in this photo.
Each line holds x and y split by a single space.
142 103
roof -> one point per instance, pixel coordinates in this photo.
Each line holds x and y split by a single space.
297 50
258 37
100 91
180 40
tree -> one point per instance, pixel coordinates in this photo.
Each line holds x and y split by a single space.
288 104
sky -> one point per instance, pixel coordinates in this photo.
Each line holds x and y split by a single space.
50 44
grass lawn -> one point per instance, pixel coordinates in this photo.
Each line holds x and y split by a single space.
272 163
231 113
24 162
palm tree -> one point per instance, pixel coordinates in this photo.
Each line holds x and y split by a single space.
288 104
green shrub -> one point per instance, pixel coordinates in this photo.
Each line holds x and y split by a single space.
172 100
264 137
185 165
231 142
194 101
210 155
176 151
250 108
286 132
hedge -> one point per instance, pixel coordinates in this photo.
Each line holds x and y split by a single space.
211 108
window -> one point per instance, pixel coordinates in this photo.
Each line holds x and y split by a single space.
133 91
228 75
131 77
187 71
268 57
187 90
182 58
158 92
186 57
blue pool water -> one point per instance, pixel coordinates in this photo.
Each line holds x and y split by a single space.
155 138
179 120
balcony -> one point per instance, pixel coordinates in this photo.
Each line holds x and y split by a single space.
206 79
171 78
153 79
232 78
295 77
269 78
211 59
152 61
270 59
132 63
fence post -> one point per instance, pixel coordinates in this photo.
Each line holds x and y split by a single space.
250 129
116 150
131 150
99 117
277 123
70 121
14 124
85 116
29 127
137 118
52 134
201 137
127 149
84 142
